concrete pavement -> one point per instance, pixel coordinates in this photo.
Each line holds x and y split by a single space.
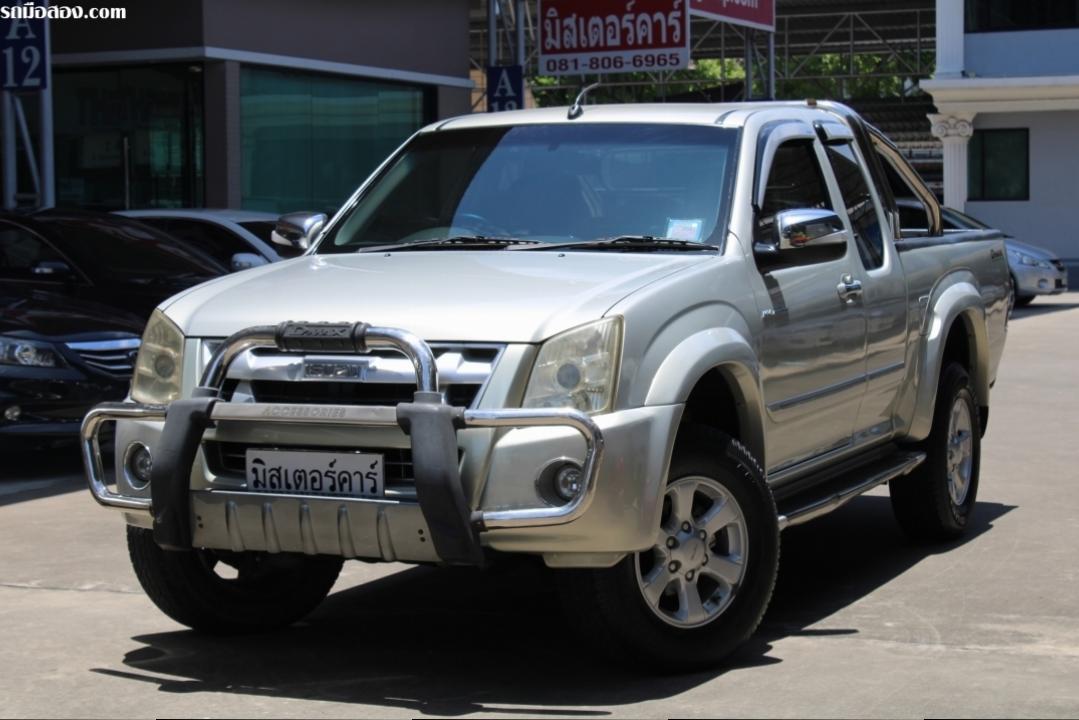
862 623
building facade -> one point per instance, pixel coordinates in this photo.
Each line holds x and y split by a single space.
261 104
1006 89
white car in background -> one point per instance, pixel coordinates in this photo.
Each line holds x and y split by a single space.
239 239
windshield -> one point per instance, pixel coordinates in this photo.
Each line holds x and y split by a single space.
547 183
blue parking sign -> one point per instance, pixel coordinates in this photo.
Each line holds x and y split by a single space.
22 53
505 88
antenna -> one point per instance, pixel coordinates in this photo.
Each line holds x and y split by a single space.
575 110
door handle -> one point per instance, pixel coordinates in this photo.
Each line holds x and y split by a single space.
849 289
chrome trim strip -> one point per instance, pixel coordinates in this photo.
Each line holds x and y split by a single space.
104 345
380 416
886 370
815 394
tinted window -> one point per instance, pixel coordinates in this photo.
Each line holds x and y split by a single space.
992 15
859 203
794 182
110 248
22 251
999 165
550 183
213 239
262 229
913 217
955 220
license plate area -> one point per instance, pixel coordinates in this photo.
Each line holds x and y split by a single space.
312 472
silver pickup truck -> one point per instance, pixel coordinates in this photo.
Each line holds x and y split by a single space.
634 341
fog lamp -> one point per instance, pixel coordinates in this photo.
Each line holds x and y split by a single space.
138 464
567 482
12 413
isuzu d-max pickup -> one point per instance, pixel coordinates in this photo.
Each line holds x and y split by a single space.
633 341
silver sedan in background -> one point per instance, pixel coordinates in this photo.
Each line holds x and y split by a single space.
1034 270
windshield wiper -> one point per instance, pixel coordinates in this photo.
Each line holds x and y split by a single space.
457 242
627 243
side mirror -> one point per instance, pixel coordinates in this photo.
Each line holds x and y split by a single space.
804 228
52 269
298 230
244 261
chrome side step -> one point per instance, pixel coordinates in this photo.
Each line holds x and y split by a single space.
832 495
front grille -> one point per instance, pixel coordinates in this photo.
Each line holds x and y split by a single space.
113 357
352 393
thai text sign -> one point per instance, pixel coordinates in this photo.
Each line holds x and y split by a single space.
760 14
589 37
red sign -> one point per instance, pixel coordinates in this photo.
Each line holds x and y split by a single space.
589 37
760 14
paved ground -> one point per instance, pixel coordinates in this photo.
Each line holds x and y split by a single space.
862 624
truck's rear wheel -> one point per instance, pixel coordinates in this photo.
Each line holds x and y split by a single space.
224 592
702 589
935 501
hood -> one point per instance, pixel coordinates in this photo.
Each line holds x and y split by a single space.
1032 250
38 313
465 296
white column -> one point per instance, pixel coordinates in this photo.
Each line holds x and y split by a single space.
949 38
954 132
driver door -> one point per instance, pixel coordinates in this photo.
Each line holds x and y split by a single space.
813 342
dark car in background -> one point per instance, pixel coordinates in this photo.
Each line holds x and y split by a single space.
76 290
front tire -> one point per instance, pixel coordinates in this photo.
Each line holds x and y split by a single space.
935 501
222 592
701 590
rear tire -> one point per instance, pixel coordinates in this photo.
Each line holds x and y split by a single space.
265 591
934 502
643 612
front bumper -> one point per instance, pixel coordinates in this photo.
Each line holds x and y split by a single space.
51 401
458 523
1034 280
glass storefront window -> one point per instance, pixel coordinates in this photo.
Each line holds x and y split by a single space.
129 137
309 140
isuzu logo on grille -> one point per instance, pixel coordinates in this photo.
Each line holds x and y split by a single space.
350 369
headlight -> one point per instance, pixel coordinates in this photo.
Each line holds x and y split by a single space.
28 353
161 355
578 368
1032 261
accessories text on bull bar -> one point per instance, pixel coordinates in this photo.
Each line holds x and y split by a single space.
430 422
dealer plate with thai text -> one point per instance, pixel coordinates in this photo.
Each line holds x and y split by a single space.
308 472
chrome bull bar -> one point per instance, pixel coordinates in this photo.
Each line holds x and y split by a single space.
430 422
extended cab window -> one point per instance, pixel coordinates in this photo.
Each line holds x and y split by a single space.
795 182
861 210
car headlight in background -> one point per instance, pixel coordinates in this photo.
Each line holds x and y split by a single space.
160 362
1032 261
28 353
577 369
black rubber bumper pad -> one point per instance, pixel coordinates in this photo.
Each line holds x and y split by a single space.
433 427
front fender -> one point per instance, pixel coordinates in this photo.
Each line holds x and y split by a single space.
727 351
957 301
